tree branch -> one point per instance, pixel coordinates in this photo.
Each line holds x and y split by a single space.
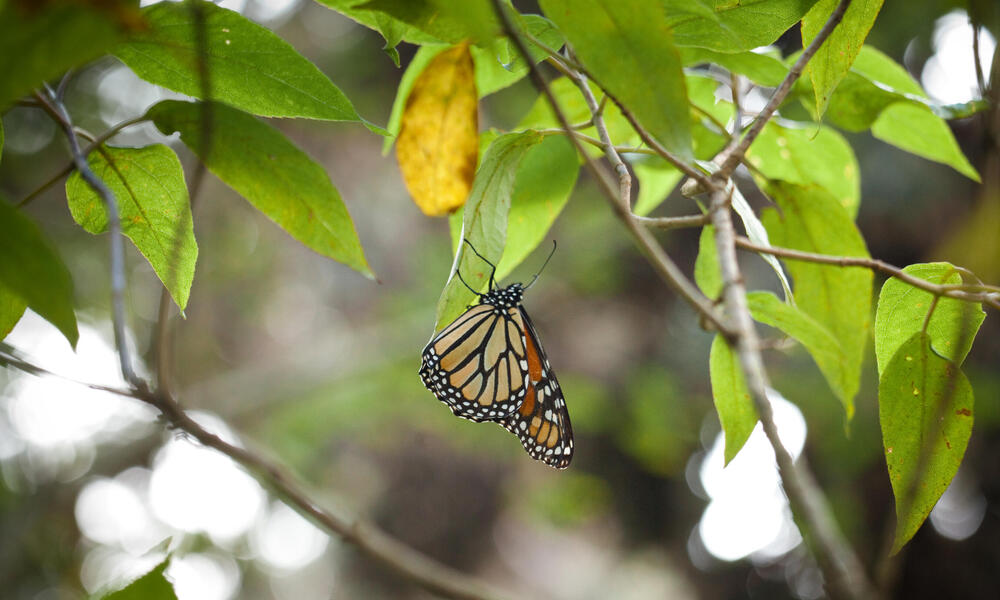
987 294
374 542
733 154
661 263
673 222
57 110
842 570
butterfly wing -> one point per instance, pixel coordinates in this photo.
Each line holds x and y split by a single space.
541 421
478 365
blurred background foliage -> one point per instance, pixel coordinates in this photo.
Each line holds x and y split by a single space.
316 366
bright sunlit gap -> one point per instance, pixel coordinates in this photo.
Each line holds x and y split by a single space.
949 76
748 513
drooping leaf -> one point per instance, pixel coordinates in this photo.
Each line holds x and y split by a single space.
151 586
438 139
273 174
38 45
445 20
418 63
621 42
31 270
902 310
737 413
923 399
763 69
919 131
248 66
485 221
834 58
542 186
11 309
757 234
809 155
817 340
735 26
839 298
707 274
154 210
656 179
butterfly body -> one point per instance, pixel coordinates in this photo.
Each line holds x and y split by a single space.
488 365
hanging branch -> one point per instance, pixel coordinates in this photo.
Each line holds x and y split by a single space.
54 106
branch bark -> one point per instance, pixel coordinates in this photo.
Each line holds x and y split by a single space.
415 566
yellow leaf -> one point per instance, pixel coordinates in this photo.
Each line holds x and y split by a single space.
438 137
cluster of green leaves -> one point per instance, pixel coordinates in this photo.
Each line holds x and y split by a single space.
525 176
800 161
237 71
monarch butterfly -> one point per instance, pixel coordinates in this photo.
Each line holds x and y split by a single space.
488 365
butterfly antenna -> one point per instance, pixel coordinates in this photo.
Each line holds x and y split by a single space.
535 278
493 282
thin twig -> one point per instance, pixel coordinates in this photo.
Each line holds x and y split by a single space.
980 79
673 222
733 154
734 86
420 569
110 133
987 296
624 177
57 110
662 263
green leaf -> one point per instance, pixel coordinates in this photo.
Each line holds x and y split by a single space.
817 340
38 45
623 42
708 137
902 310
736 25
392 32
656 179
420 60
381 22
839 298
485 221
809 155
272 173
152 197
732 398
544 181
445 20
11 309
31 270
707 274
250 67
151 586
834 58
498 65
919 131
759 68
923 399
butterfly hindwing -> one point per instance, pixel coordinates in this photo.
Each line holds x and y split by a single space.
477 365
541 422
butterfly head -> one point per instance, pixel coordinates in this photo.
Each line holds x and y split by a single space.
507 297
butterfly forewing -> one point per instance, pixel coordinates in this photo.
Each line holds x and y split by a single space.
477 364
541 422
